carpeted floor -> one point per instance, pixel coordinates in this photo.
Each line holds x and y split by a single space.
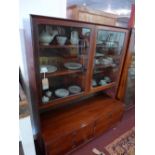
102 141
123 145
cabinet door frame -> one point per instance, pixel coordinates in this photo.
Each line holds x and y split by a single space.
126 31
35 21
127 61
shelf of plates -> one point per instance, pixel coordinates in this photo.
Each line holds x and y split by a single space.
107 58
63 61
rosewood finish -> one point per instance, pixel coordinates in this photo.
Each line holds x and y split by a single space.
66 128
66 123
127 62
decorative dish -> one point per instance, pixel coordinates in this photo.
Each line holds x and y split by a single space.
72 65
74 89
61 92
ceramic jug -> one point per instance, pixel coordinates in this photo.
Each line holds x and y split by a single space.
74 38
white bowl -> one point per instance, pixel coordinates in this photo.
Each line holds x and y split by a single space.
102 82
45 38
61 40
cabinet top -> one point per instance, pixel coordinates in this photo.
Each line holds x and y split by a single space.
32 16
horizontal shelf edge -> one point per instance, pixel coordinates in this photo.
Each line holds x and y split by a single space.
100 88
60 100
60 73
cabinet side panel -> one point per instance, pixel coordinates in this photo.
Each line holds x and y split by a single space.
32 88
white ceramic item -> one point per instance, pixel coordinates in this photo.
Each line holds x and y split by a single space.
96 61
74 38
61 40
45 99
102 82
107 79
72 65
50 68
45 38
74 89
61 92
94 83
48 93
99 54
43 69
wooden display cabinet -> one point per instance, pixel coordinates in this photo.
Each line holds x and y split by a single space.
83 13
85 60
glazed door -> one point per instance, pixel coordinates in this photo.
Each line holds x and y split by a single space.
110 49
126 91
129 99
63 53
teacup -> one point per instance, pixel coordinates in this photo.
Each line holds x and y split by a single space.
48 93
102 82
107 79
45 99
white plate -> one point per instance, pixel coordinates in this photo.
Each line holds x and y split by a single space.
99 54
72 65
74 89
61 92
50 68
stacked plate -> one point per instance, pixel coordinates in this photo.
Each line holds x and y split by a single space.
74 89
61 92
72 65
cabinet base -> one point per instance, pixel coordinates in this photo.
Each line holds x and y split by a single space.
66 128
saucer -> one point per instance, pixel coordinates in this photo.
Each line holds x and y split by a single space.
72 65
61 92
74 89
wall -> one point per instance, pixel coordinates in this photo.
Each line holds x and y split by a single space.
53 8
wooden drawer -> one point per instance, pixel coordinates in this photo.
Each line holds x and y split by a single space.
61 145
115 117
106 121
101 125
84 134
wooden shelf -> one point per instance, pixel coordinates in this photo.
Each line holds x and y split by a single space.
60 100
104 46
62 46
102 66
60 73
100 88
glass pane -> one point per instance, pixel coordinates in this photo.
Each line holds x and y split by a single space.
109 46
130 89
63 58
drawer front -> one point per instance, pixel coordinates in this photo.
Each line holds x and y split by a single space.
101 125
115 117
84 134
109 119
61 145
